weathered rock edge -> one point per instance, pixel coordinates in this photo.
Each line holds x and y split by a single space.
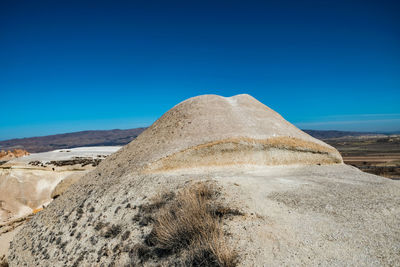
238 151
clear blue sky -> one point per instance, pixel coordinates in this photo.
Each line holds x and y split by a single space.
78 65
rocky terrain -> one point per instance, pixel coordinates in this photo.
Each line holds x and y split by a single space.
122 137
26 183
218 182
29 183
8 155
370 152
374 153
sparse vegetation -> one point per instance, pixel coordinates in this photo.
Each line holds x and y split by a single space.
112 231
3 261
189 224
77 160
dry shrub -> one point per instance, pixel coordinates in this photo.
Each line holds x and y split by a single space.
190 225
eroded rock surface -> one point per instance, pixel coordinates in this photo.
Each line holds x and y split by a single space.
298 204
12 154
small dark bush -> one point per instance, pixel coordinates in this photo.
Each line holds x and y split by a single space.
93 240
125 235
142 251
99 226
112 231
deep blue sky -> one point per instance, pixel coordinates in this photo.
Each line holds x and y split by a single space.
77 65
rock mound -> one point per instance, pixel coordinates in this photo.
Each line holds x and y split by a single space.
213 131
278 197
16 153
210 130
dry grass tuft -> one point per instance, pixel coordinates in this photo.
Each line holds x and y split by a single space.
3 261
190 224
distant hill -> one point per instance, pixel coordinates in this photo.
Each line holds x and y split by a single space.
117 138
338 134
69 140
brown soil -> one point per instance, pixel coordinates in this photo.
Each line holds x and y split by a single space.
16 153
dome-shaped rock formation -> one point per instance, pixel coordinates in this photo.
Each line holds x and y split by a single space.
212 130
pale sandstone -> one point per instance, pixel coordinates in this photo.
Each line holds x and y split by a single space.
301 205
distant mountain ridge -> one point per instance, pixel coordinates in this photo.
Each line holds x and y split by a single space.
118 137
114 137
328 134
